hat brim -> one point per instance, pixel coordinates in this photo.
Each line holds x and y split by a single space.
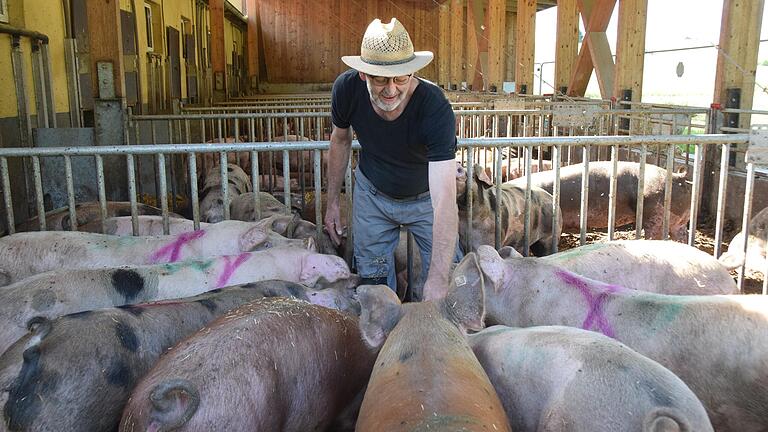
421 59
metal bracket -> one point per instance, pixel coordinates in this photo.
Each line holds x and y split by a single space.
106 75
757 150
570 115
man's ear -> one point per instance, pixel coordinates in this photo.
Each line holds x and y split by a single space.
361 75
380 311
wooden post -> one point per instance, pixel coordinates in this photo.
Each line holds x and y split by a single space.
218 51
443 47
630 48
509 74
472 64
457 43
496 17
252 9
737 57
105 46
567 48
524 51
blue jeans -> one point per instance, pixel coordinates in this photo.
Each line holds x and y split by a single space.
376 222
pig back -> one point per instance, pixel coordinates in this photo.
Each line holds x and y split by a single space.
298 365
553 375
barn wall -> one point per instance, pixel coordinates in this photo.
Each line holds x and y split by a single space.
304 41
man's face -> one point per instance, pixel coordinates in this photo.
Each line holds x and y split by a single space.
390 95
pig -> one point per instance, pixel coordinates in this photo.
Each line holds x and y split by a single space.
626 197
26 254
755 258
718 345
660 266
88 213
512 207
248 371
211 195
241 207
76 372
426 376
555 378
148 225
60 292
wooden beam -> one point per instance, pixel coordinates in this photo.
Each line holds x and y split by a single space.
252 9
595 52
567 45
457 43
218 50
443 47
472 64
524 51
602 59
630 48
480 80
105 46
509 73
496 30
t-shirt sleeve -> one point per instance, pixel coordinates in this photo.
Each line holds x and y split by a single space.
341 101
440 130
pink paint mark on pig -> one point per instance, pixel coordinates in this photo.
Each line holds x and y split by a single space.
595 316
171 251
230 267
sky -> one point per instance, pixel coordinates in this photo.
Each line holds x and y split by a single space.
671 24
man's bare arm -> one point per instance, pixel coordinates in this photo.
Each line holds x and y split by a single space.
338 156
445 229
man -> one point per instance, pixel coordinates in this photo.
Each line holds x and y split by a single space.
406 173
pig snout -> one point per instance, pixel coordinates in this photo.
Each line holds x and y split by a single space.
174 402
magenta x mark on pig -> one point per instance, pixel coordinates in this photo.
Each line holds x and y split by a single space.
173 249
595 316
230 267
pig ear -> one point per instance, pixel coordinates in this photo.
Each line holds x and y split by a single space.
253 238
509 252
492 266
481 176
732 260
380 311
465 299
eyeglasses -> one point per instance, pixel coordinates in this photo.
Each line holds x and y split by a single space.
382 81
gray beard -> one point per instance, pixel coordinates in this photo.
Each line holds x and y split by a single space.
378 103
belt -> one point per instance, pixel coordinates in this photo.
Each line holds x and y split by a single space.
401 199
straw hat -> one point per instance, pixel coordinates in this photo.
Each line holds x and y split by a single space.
387 51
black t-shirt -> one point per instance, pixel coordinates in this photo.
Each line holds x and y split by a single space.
396 154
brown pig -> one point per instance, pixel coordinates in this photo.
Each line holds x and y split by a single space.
626 197
269 365
426 376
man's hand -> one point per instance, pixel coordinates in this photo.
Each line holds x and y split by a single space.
332 222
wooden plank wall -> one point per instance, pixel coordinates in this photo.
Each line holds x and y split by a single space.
304 41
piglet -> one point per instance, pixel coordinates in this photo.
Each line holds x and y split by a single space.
426 376
718 345
551 377
75 373
26 254
269 365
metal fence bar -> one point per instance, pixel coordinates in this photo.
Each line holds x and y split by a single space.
70 192
129 160
698 162
748 192
39 192
640 188
723 186
668 192
612 191
7 195
102 192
